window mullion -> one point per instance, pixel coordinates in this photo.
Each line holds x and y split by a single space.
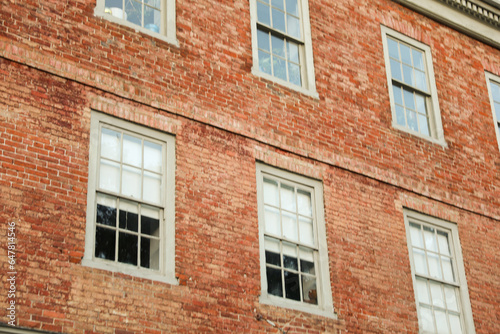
409 87
278 33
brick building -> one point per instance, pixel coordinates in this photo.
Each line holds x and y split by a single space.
250 166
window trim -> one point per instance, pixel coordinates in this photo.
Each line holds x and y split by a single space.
307 74
325 300
490 77
423 219
169 33
166 273
435 124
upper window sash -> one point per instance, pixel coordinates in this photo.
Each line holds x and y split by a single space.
493 82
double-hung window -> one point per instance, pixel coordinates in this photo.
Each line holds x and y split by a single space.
155 17
412 88
439 282
494 91
281 40
130 206
294 258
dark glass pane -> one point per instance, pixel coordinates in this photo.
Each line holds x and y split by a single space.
106 215
105 243
307 267
150 226
127 248
129 221
273 258
274 285
290 262
292 286
150 253
114 3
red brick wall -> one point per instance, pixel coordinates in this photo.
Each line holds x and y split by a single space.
58 61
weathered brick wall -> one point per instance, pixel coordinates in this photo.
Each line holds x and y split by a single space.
58 61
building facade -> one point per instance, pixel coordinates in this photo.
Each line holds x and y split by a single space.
250 166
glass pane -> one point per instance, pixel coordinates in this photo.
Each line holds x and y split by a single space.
408 75
278 4
110 144
150 221
420 263
393 48
132 150
409 99
128 217
420 80
152 187
430 239
293 25
292 285
287 197
426 321
497 111
263 40
411 117
418 59
290 256
278 20
289 226
274 284
451 298
420 99
444 247
109 176
293 52
423 125
304 202
447 269
441 323
116 9
405 54
106 210
434 267
150 253
271 192
422 291
416 235
265 62
272 247
263 13
437 294
127 248
152 19
396 90
133 13
105 240
272 221
294 74
153 3
306 233
292 7
396 70
455 326
114 3
131 182
152 157
309 290
278 45
495 91
400 115
307 261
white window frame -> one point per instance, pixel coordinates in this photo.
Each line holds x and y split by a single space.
435 125
325 301
305 50
167 29
166 272
491 78
456 253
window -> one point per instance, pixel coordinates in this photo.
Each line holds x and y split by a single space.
155 17
294 258
494 91
438 275
281 40
412 89
130 203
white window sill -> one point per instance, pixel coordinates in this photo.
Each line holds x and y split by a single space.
439 141
267 299
111 18
132 271
311 93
